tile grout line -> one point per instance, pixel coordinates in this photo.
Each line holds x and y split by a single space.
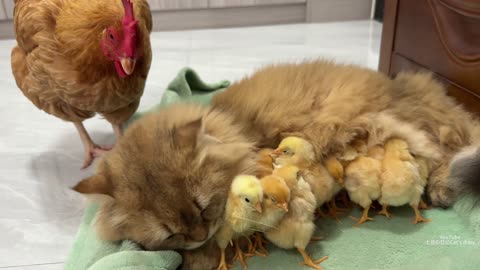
28 265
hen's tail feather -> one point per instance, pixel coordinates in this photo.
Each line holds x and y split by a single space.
465 172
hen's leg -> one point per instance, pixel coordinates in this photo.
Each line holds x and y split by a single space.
91 149
307 260
117 128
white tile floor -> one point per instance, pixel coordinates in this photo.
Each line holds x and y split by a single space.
40 156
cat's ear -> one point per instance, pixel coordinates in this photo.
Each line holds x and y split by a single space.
96 184
193 133
206 145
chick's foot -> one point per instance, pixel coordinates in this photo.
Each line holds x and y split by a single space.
223 263
385 212
364 218
307 260
418 216
423 205
259 248
239 256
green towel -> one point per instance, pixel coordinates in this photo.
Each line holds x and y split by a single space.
91 253
450 242
186 87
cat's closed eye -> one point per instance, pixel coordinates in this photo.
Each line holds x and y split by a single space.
214 210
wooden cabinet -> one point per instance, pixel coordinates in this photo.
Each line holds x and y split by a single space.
442 36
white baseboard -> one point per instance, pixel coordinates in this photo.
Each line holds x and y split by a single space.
311 11
338 10
229 17
6 29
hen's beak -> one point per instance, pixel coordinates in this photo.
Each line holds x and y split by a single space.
258 207
128 65
284 206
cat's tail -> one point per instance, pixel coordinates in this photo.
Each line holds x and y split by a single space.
465 172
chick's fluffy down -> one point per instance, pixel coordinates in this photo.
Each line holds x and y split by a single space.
297 227
363 180
401 184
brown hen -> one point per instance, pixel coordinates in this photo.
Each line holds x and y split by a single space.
76 58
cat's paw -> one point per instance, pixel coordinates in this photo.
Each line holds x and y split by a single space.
441 195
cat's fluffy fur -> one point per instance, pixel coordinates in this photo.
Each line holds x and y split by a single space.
329 104
170 173
169 176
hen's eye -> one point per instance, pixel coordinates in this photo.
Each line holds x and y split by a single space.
170 237
112 37
247 200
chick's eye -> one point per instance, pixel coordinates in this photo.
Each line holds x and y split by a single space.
170 237
247 200
273 199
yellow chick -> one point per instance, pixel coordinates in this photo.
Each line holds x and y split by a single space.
362 183
363 169
276 196
424 169
264 162
244 201
335 168
296 228
401 180
299 152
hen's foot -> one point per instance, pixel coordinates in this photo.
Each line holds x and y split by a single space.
92 152
91 149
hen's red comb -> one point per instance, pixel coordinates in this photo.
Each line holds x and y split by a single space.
129 29
128 7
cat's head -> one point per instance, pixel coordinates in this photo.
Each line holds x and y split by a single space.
168 178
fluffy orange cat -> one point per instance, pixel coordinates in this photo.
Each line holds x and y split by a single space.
168 177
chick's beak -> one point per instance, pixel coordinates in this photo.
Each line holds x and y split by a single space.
284 206
258 207
128 65
275 154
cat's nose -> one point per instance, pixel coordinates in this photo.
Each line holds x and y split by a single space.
199 233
